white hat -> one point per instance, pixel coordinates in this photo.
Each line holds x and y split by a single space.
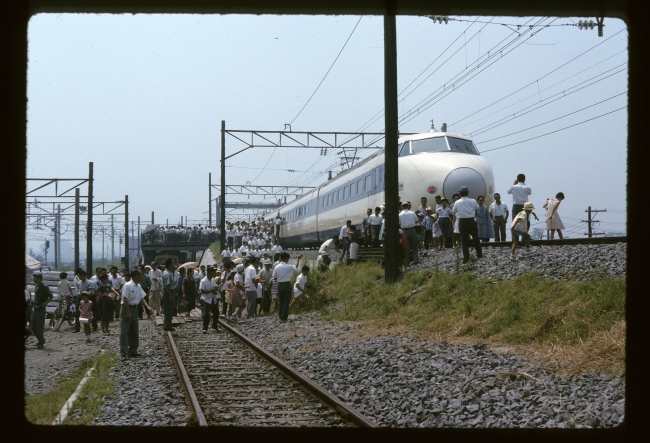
240 267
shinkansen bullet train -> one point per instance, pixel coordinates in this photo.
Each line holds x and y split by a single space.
429 164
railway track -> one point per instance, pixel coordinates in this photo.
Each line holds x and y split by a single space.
231 381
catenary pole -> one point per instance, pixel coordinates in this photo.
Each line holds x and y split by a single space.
112 239
391 124
222 198
89 229
56 239
126 233
210 199
76 229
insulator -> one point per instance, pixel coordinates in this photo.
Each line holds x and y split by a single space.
591 24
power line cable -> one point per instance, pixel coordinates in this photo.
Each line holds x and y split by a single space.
553 132
328 71
519 90
558 118
545 102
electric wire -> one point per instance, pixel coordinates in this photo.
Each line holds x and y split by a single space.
553 132
328 71
555 119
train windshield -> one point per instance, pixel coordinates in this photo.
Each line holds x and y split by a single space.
460 145
437 144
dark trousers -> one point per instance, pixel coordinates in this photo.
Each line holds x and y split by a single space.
266 300
411 245
168 306
210 308
38 324
129 333
284 298
428 239
374 231
367 237
346 247
231 240
499 228
467 227
516 209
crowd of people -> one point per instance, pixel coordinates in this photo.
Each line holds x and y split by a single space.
429 229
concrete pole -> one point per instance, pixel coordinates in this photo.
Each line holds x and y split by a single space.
126 233
222 199
76 229
391 178
112 239
89 230
210 199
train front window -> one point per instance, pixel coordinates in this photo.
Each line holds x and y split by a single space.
403 150
437 144
460 145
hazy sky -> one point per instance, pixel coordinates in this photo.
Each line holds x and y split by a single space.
143 96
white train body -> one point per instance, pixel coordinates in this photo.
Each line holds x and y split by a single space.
429 164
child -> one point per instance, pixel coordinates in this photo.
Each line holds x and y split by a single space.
274 295
258 299
520 227
86 311
436 232
299 288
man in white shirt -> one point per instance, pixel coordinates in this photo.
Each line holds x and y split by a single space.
230 233
251 287
365 229
277 250
520 193
331 243
499 215
345 238
238 235
116 282
282 274
132 296
225 255
407 222
244 250
156 286
374 224
210 296
465 209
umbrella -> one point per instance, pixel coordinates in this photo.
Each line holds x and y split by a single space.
238 260
189 264
150 228
32 263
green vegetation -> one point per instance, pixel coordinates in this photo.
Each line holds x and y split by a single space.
216 250
526 310
43 408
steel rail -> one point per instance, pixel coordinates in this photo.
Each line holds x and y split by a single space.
348 413
194 402
563 242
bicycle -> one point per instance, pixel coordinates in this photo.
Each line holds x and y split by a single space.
62 310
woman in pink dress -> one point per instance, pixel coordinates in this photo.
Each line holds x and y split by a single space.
553 220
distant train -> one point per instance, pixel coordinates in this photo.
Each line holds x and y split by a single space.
429 164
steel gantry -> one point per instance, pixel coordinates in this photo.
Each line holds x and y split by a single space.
345 142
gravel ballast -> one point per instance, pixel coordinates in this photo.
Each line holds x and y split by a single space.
400 381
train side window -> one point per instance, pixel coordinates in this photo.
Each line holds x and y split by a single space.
368 183
345 193
352 193
360 186
340 195
330 199
324 203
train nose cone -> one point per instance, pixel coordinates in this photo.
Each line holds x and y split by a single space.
464 177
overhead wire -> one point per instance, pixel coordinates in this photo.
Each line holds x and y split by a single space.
553 132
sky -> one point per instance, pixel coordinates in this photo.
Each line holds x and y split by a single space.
143 97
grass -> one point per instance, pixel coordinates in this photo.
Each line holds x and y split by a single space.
43 408
216 250
567 318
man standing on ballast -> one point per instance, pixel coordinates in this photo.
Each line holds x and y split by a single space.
465 209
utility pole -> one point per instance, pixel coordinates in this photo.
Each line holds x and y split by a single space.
56 243
76 229
112 239
590 221
103 237
89 230
222 198
391 124
210 199
139 239
152 217
126 233
47 245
